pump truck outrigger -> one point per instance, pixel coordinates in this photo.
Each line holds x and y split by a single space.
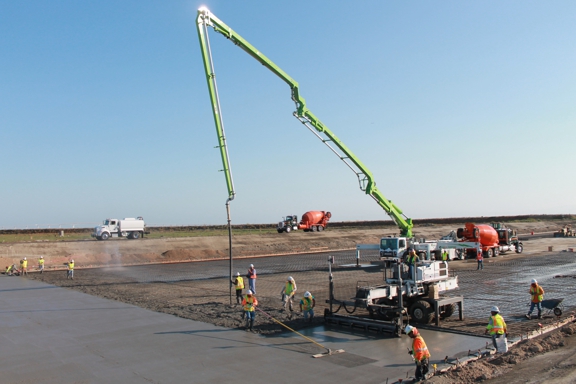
303 114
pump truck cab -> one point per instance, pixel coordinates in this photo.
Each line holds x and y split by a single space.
131 228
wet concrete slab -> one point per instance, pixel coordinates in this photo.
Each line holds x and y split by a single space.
56 335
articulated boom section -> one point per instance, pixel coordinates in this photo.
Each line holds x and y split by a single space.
365 178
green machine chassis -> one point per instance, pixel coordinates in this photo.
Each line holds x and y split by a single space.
366 180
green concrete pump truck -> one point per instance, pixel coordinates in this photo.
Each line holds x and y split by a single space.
303 114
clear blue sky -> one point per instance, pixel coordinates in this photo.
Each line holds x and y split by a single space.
457 108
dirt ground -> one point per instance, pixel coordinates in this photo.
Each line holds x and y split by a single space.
553 355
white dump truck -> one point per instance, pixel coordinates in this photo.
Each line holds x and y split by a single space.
131 228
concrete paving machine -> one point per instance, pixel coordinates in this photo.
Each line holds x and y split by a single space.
402 295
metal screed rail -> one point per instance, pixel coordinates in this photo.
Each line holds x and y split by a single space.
207 19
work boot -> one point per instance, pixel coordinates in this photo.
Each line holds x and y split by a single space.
528 316
539 316
251 324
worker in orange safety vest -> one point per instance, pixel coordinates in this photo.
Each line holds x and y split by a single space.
419 352
249 304
252 278
496 326
537 295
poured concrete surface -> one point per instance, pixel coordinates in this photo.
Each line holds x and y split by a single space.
56 335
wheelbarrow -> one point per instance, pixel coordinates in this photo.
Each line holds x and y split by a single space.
553 305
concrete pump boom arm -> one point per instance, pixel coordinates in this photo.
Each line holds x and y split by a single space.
366 180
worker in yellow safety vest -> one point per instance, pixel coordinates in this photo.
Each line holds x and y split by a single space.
239 285
444 255
249 304
41 264
307 304
24 268
70 274
537 295
496 326
419 352
287 293
411 260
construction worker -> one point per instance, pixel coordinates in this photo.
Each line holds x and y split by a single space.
41 264
444 255
9 270
307 304
239 285
537 295
479 259
70 274
24 265
496 326
288 292
249 304
252 278
419 352
411 261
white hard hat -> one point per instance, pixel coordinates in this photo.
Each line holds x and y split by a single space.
249 292
41 257
290 278
251 265
24 258
408 329
71 261
307 294
237 273
494 309
533 281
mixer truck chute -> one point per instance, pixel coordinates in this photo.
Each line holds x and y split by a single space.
303 114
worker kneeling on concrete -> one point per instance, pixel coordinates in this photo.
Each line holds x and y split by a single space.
249 303
419 352
307 304
497 329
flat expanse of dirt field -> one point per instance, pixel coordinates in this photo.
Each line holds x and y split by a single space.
208 300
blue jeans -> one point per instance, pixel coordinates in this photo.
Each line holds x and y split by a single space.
480 264
538 305
494 337
252 284
250 315
308 312
411 272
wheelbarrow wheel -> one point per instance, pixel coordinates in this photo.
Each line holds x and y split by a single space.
557 311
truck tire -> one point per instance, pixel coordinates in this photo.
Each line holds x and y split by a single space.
447 310
421 312
104 236
320 228
135 235
99 237
280 230
287 229
489 253
519 248
313 228
124 234
496 252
